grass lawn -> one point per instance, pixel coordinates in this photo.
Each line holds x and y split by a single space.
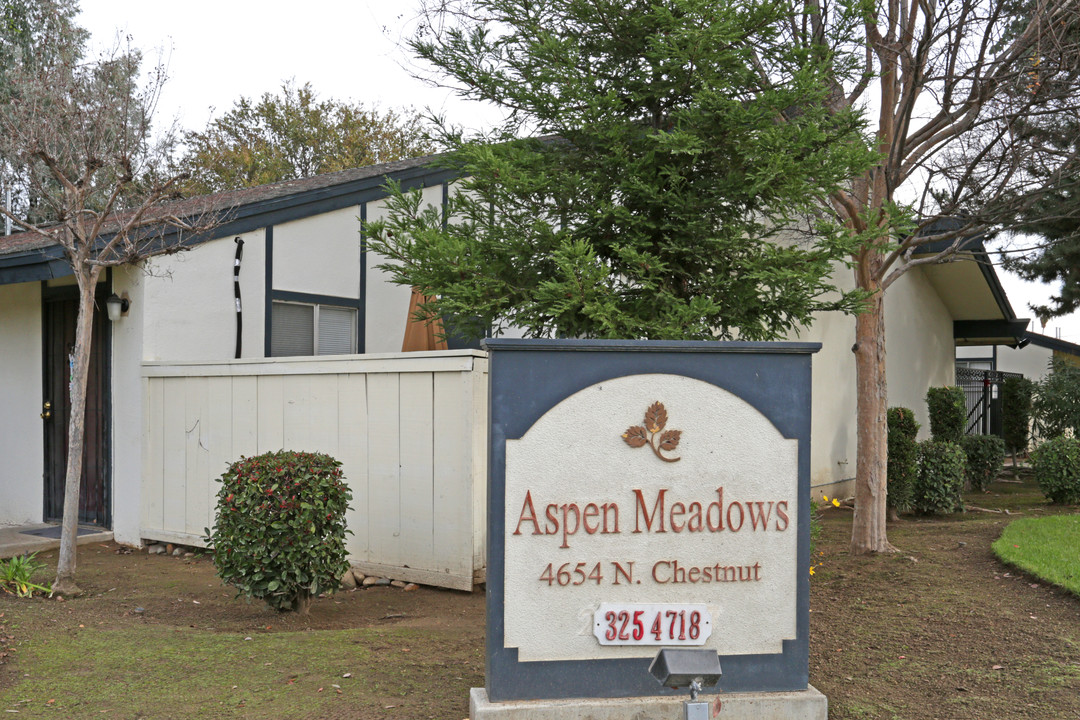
1047 547
940 630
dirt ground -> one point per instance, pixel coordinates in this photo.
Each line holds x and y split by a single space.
417 653
939 630
942 629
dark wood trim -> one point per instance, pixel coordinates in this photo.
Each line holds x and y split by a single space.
44 397
445 204
40 265
1050 343
1002 332
268 288
313 299
361 315
107 433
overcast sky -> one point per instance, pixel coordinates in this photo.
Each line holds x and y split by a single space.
217 51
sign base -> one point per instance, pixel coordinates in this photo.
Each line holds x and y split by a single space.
807 704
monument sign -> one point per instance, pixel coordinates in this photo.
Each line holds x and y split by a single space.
646 495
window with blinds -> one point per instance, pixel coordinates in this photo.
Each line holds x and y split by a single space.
303 329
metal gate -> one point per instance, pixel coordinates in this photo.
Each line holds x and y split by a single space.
982 393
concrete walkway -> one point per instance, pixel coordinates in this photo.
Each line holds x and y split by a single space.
13 542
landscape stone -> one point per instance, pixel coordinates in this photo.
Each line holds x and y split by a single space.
411 586
358 576
155 550
382 582
369 581
177 552
398 583
348 582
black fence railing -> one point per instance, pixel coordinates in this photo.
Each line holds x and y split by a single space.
982 394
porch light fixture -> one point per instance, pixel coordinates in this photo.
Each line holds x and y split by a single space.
116 306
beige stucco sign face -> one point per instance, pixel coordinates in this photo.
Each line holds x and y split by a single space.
664 498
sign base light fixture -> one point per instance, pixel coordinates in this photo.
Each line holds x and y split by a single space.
688 668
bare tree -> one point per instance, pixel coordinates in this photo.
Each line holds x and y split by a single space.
956 93
80 134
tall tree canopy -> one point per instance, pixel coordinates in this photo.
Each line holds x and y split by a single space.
1054 221
292 135
649 154
32 35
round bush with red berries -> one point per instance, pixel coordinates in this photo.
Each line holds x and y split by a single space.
279 532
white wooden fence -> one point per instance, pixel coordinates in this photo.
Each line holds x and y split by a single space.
409 429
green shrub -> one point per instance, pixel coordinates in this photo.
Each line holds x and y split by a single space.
17 576
903 457
985 458
1016 396
940 479
947 413
1057 469
279 533
1057 400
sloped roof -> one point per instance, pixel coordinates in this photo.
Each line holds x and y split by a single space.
29 256
1056 344
971 290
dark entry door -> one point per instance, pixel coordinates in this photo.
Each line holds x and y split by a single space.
61 307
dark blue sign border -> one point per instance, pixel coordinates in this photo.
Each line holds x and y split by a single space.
528 378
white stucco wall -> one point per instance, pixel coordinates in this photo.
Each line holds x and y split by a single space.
919 344
319 254
1032 361
919 354
387 304
190 311
21 442
128 420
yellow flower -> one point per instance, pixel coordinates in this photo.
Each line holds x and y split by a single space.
835 502
812 569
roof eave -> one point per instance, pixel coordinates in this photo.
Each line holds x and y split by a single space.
49 262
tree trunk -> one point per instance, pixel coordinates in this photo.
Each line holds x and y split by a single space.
65 569
302 605
868 529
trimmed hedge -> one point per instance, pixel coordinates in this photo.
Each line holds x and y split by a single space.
1016 402
279 533
985 458
940 480
1057 469
948 411
903 458
1057 400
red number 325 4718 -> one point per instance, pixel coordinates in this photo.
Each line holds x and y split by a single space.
652 624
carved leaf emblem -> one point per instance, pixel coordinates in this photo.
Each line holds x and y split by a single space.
656 417
670 439
653 434
635 436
